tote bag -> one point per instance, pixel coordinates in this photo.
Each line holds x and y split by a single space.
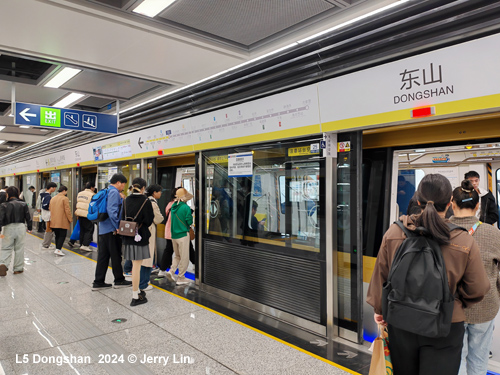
381 358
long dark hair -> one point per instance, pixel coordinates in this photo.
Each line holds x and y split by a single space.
154 188
465 196
434 194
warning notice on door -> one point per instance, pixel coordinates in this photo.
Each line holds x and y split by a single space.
343 146
240 165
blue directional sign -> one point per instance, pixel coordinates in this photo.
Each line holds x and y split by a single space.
70 119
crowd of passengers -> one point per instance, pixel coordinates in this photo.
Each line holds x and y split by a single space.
138 249
471 257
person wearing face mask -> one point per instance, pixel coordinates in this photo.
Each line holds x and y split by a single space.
488 210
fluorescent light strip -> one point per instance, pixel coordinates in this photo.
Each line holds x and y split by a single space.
268 54
62 77
68 100
35 144
151 8
2 128
369 14
25 127
2 141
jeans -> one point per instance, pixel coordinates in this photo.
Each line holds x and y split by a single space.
145 277
476 349
15 234
127 266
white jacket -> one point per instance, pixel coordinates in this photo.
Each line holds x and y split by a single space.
82 202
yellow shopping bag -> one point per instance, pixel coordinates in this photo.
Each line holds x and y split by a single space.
381 358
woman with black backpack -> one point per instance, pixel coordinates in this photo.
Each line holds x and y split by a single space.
137 208
414 353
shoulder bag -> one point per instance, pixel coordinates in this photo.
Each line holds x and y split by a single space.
191 230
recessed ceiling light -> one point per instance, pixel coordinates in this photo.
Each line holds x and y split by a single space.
68 100
62 77
151 8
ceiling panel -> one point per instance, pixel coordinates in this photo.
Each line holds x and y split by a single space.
244 22
93 103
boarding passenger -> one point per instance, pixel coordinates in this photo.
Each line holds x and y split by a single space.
38 206
110 243
138 208
82 209
166 259
488 210
181 221
411 353
60 218
480 318
45 208
32 204
153 193
14 216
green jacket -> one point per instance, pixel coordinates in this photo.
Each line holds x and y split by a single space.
181 220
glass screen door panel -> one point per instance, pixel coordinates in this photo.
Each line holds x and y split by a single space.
349 236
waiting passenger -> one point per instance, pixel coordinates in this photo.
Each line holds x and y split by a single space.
153 193
14 214
60 218
488 210
182 219
480 318
110 243
38 207
138 208
411 353
45 208
166 259
82 209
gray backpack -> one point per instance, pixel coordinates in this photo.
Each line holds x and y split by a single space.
416 297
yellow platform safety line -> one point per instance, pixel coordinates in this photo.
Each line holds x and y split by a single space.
236 321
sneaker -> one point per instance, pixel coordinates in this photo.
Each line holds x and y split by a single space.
85 248
96 286
170 275
142 293
155 270
122 284
18 272
182 281
149 287
162 273
3 270
139 301
59 252
51 247
127 274
71 244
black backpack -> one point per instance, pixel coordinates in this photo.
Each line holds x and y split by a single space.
416 297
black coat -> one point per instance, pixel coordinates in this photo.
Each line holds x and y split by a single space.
145 218
489 209
15 211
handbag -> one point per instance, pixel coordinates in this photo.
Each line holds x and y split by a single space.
381 363
129 228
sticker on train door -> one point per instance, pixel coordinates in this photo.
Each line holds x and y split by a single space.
344 146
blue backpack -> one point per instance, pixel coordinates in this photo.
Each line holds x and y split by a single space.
46 197
98 210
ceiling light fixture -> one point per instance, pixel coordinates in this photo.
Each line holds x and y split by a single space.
68 100
35 144
262 56
151 8
62 77
2 141
2 128
25 127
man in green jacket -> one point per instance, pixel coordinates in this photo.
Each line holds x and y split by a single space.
181 220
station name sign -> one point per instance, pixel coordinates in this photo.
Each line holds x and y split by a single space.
68 119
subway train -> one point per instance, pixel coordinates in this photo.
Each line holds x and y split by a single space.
291 202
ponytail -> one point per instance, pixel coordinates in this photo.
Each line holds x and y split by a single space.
434 193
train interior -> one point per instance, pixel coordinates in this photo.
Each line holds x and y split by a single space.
411 165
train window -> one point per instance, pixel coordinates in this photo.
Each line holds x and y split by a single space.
277 205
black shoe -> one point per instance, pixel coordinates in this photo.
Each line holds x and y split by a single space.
122 284
142 293
138 301
491 355
99 286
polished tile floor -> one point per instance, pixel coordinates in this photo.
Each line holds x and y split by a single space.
52 323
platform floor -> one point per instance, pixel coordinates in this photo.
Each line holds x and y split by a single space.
49 312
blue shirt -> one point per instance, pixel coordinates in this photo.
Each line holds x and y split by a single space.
113 207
